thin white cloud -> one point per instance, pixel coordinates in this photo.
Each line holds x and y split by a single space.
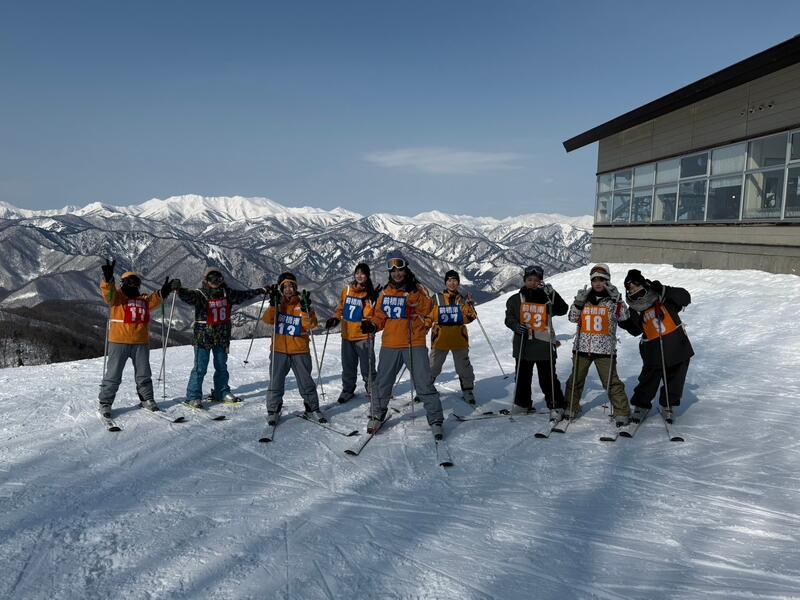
445 160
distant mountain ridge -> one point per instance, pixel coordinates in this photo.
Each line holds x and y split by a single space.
55 255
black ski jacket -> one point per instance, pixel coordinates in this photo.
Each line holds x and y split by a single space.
207 336
535 349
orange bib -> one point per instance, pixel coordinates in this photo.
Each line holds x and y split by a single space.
594 320
654 328
534 316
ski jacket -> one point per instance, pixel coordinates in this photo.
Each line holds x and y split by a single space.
291 334
212 313
129 317
541 308
450 315
597 324
354 306
405 310
662 317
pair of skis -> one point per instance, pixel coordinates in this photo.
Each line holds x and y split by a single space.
630 430
111 425
269 431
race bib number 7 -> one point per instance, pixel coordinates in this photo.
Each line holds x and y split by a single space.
353 309
394 307
136 311
289 325
594 320
534 316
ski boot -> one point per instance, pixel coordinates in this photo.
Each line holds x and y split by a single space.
516 409
556 414
105 411
273 416
621 420
229 398
316 416
436 430
375 422
345 397
196 403
639 414
469 397
571 415
667 414
149 405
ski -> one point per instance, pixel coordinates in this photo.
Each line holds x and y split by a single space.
612 435
630 430
269 431
328 426
162 415
562 426
548 429
356 448
484 415
443 458
109 423
212 402
208 414
674 436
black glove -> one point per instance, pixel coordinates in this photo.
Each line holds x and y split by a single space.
368 327
305 300
548 289
580 298
522 329
166 288
274 296
108 270
658 288
331 323
175 284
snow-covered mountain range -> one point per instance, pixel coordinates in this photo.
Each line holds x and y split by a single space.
56 254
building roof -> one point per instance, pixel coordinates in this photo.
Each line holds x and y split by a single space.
773 59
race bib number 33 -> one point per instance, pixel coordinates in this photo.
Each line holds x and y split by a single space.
394 307
289 325
534 316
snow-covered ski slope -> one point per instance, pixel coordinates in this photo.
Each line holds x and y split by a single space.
202 510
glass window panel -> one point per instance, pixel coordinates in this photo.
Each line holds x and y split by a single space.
604 183
642 205
622 207
793 194
692 166
795 155
767 152
727 160
668 171
692 201
724 198
664 205
644 176
622 179
602 212
762 195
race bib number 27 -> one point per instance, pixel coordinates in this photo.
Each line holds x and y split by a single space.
450 315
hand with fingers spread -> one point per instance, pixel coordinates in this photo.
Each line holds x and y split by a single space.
108 270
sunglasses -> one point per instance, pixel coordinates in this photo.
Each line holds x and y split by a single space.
132 281
215 278
396 263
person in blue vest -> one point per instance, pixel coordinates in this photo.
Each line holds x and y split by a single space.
213 302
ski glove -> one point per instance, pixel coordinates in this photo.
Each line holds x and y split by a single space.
522 329
274 296
613 292
169 286
108 270
305 300
368 327
331 323
548 289
580 297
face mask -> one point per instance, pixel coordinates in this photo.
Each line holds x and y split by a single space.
131 291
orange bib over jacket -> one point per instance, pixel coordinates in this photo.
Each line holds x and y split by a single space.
653 327
594 320
130 317
402 306
534 316
291 335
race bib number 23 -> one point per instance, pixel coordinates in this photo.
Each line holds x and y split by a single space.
534 316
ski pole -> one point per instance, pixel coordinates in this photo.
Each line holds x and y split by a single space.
411 368
519 365
551 336
163 340
319 373
166 342
613 356
399 377
108 331
272 354
488 341
663 363
370 379
324 346
258 320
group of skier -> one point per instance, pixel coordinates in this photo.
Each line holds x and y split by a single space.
404 312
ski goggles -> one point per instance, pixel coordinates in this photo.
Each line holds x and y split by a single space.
596 279
396 263
132 280
215 278
637 294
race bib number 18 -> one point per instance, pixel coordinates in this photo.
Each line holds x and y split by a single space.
353 309
289 325
534 316
394 307
137 311
594 320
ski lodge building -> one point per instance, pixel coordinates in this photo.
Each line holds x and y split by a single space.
707 176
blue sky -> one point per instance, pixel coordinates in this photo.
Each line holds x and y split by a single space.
375 106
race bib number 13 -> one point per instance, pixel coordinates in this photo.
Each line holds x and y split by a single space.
289 325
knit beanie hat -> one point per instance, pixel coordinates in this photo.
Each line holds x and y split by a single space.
600 270
284 277
635 276
452 274
534 270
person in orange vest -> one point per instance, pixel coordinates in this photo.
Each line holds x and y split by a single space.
355 304
402 312
665 348
451 314
129 334
597 310
292 317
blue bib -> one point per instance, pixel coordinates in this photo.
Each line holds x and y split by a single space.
353 309
450 315
289 325
394 307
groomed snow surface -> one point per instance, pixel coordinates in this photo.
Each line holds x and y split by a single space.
202 510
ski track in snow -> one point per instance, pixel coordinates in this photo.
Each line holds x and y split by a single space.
201 509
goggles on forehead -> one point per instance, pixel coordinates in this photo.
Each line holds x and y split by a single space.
132 280
215 278
396 263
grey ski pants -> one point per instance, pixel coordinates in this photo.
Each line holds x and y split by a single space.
391 361
118 355
466 375
355 354
300 364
